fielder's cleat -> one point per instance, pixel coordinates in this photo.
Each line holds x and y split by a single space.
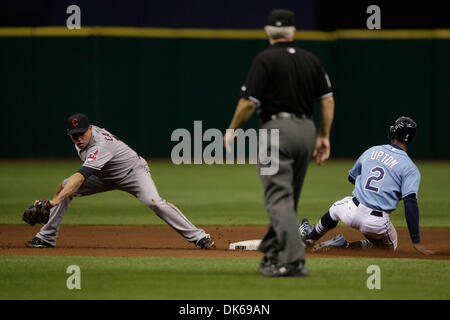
38 243
289 270
305 229
205 243
337 241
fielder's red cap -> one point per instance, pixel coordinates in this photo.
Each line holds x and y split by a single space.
77 123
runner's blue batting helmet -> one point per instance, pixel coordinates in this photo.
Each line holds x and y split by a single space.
404 129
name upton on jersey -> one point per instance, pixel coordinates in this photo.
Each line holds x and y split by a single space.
388 160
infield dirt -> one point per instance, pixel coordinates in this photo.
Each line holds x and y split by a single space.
162 241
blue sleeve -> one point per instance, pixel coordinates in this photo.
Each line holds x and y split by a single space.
410 183
356 170
412 217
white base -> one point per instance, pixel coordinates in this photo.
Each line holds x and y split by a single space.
245 245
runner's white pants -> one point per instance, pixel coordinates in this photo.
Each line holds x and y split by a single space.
379 230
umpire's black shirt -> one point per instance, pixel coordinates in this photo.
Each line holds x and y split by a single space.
285 78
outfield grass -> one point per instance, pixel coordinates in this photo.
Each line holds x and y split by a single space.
38 277
208 195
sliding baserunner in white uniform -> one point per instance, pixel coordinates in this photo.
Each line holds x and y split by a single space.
383 175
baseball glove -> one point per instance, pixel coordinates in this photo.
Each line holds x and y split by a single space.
39 212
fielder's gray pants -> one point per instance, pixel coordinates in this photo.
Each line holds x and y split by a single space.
297 139
140 184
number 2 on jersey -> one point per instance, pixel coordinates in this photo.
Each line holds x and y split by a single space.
377 176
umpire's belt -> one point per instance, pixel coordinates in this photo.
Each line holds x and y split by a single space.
287 115
374 212
282 115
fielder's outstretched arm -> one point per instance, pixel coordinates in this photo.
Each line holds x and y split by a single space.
73 184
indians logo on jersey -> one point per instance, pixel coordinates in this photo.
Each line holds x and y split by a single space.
92 156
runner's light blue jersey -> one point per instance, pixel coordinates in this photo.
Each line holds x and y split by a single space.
383 176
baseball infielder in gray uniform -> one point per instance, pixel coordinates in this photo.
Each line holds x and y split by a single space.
110 164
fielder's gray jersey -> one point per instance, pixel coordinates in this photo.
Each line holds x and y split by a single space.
108 155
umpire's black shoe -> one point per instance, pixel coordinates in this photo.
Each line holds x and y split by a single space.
205 243
38 243
267 264
289 270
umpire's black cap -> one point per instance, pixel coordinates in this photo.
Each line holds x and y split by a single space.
77 123
281 18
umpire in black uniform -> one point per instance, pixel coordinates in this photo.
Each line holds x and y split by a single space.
282 84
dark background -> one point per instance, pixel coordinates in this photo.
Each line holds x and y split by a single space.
143 88
310 14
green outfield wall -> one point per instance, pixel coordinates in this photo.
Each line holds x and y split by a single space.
143 87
